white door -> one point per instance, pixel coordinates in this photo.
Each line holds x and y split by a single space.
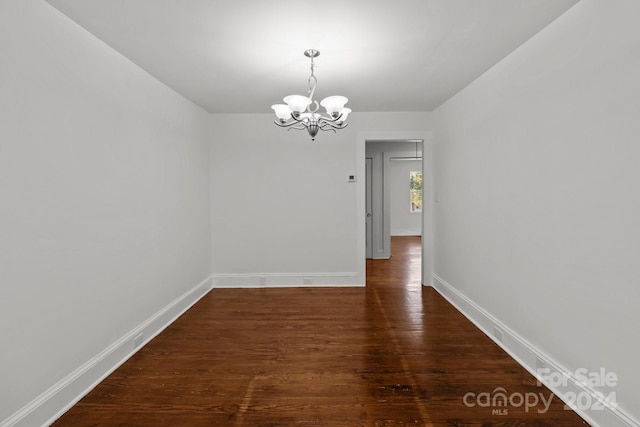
369 205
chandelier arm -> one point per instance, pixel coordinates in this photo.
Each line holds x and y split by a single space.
299 124
294 120
303 121
331 124
321 127
326 128
330 119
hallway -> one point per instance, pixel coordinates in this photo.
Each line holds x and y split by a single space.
391 354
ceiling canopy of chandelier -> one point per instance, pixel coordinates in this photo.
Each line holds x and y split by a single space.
300 112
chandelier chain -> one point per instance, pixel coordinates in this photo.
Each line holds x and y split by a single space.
312 81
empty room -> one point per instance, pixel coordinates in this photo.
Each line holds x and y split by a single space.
251 213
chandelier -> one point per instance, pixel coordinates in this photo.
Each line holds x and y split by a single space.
300 112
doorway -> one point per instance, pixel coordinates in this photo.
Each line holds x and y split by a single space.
374 232
392 206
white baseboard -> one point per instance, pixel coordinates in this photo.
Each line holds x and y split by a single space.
50 405
532 359
285 280
406 232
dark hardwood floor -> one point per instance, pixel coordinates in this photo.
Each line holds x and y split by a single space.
391 354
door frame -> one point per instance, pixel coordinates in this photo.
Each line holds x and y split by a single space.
427 197
369 206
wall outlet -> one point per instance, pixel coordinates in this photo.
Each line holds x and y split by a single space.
351 177
263 281
307 280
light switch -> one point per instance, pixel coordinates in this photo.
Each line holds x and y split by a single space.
351 177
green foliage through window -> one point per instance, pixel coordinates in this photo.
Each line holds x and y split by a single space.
415 186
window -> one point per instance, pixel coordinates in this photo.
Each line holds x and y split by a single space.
415 187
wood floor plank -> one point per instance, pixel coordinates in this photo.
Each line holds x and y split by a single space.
391 354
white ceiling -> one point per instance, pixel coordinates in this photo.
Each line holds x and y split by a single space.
241 56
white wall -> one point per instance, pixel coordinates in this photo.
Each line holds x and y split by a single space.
282 208
403 221
104 209
537 177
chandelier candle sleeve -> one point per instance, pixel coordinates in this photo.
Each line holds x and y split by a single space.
301 112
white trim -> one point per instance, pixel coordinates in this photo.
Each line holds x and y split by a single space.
60 397
531 358
285 280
